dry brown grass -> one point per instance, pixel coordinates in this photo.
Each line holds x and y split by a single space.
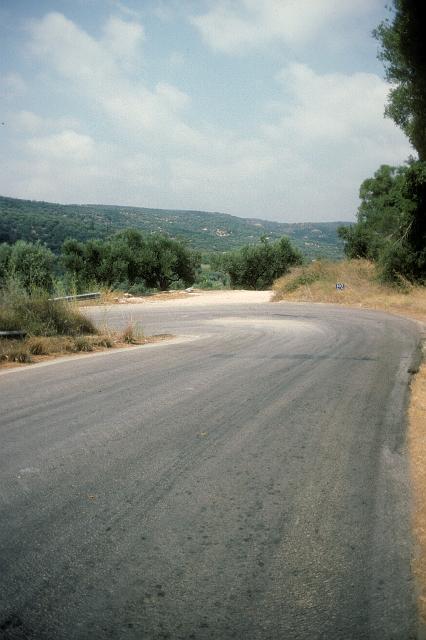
33 348
39 348
132 333
316 282
417 449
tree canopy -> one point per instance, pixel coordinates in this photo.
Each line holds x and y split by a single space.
30 264
391 224
403 52
129 258
257 266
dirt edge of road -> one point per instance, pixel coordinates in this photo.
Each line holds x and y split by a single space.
417 456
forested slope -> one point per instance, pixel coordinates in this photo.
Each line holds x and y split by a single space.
52 223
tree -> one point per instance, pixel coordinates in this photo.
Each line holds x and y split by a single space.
129 258
5 251
407 254
167 261
391 226
32 265
257 266
381 214
403 52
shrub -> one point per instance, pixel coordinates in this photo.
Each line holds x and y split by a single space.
257 266
39 316
38 345
14 351
81 343
31 264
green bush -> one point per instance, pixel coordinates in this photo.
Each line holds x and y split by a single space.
391 226
257 266
39 316
30 264
152 261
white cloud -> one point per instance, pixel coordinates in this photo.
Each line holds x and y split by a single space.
68 169
306 159
28 122
242 24
95 67
177 60
12 85
71 51
333 109
309 159
121 6
124 39
67 146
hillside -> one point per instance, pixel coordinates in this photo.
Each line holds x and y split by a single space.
53 223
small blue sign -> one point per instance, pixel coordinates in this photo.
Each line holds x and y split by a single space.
340 286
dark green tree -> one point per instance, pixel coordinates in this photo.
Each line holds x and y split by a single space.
129 258
5 251
32 265
391 226
381 214
257 266
167 261
403 52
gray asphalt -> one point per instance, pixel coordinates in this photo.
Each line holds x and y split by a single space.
250 482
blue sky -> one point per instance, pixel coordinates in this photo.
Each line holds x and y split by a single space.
258 108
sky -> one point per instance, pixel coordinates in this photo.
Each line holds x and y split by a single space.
258 108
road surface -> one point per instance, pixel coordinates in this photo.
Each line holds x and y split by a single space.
247 481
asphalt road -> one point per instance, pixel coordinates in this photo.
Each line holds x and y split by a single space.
247 482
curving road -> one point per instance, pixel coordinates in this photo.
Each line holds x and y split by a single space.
246 481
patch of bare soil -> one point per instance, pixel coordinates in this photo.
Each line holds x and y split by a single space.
417 449
199 297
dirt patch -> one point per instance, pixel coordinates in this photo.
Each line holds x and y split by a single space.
200 297
417 450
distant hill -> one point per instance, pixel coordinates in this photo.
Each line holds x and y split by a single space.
53 223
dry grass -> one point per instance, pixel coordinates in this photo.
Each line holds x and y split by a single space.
417 449
39 348
30 349
316 282
132 333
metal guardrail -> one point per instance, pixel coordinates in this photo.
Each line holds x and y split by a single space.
13 334
79 296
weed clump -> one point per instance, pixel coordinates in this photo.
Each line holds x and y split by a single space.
14 351
82 343
38 315
51 327
132 334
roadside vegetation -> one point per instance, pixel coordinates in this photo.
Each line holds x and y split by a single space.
362 287
52 327
257 266
391 223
